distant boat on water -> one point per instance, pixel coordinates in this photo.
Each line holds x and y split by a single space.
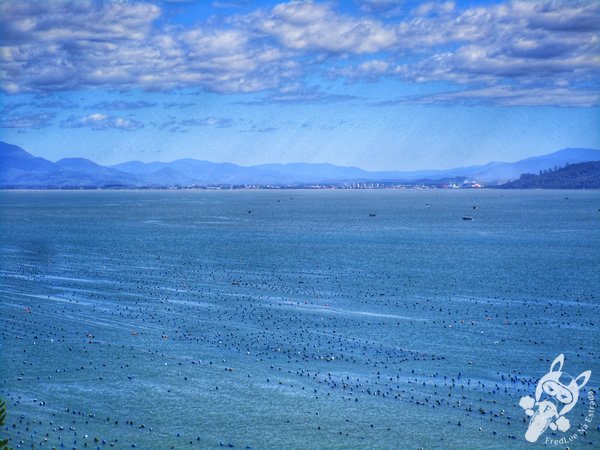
467 218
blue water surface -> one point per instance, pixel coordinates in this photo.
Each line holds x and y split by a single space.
293 318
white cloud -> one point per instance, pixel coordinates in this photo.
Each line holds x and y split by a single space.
75 21
517 47
99 121
434 8
517 40
370 70
33 120
48 46
507 96
317 27
120 105
386 7
61 45
182 126
219 122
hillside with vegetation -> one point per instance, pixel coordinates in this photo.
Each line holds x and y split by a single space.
584 175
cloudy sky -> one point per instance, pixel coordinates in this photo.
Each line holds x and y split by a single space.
379 84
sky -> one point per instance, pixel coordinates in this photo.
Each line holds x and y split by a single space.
377 84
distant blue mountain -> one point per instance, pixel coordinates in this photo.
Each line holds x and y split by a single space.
500 172
306 173
84 171
209 173
168 177
206 172
18 162
203 172
19 169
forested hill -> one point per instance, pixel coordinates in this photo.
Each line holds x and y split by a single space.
574 176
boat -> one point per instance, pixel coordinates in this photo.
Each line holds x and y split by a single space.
467 218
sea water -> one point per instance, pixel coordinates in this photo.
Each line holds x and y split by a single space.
277 319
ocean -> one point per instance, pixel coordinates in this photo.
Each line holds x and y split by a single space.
295 319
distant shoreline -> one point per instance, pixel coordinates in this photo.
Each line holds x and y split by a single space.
275 188
569 168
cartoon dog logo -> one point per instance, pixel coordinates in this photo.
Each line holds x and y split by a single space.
554 398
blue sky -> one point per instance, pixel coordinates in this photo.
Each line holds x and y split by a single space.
379 84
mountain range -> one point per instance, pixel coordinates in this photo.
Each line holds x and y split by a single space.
584 175
20 169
